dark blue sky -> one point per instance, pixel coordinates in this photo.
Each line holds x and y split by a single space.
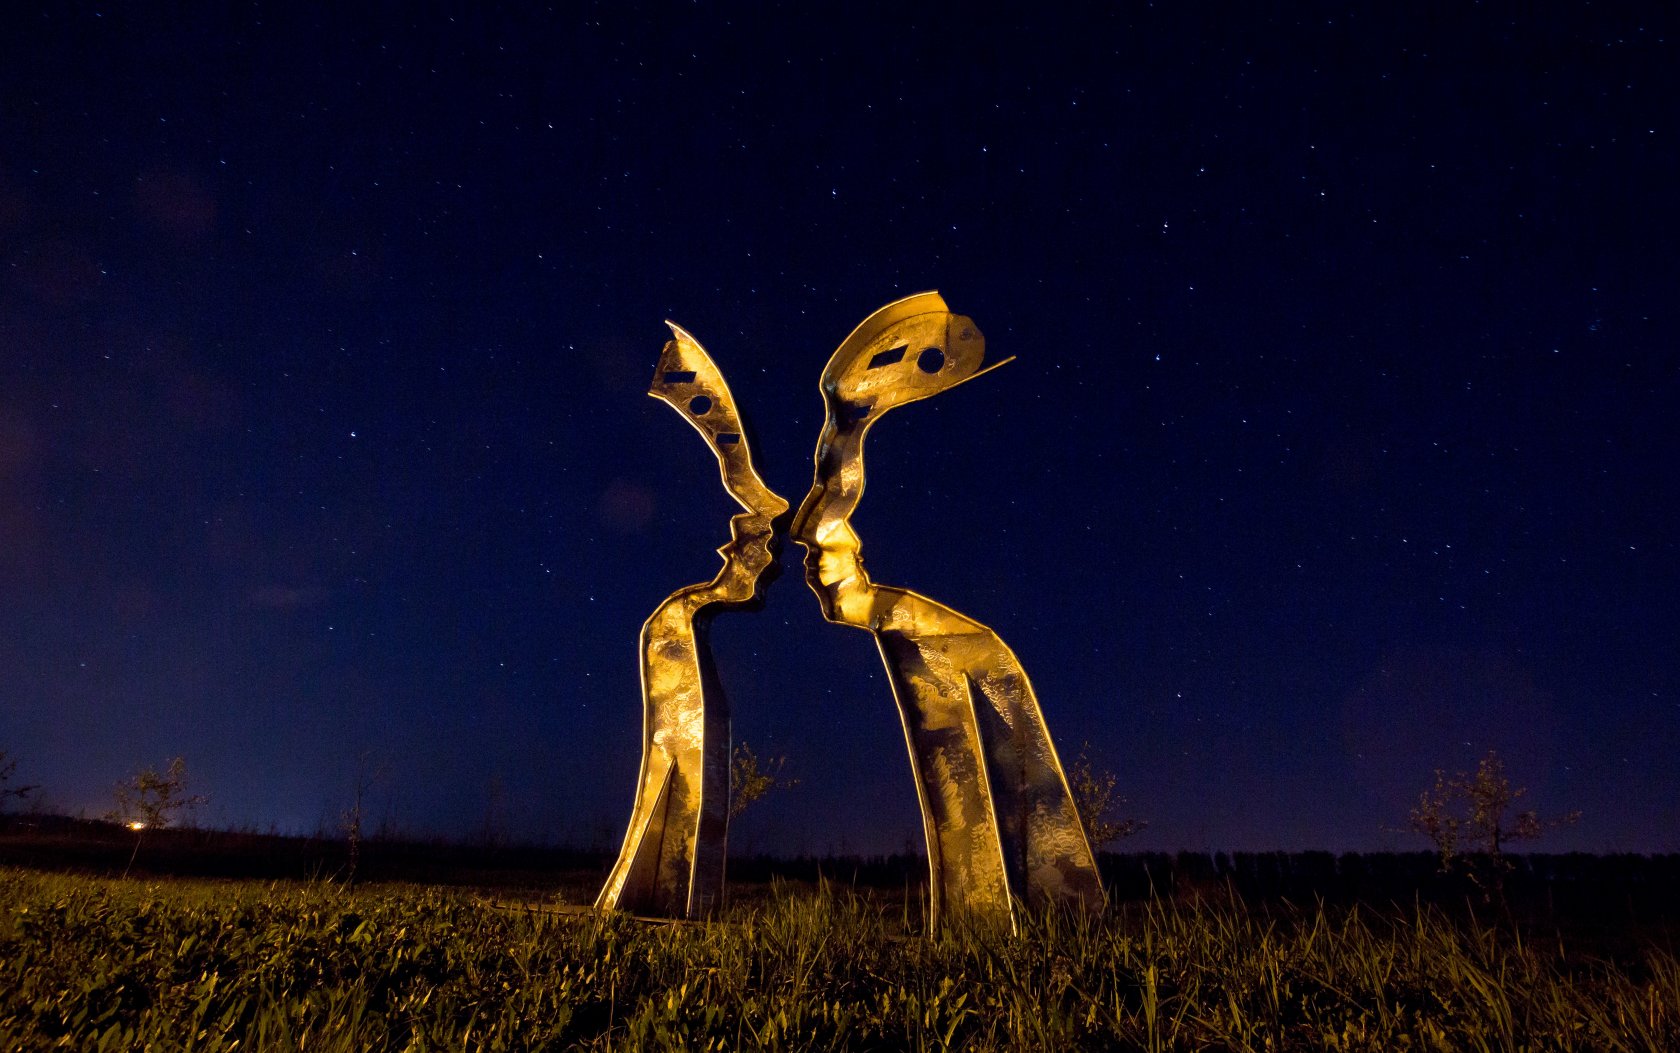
1339 446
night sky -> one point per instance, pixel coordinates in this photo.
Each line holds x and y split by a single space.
1339 446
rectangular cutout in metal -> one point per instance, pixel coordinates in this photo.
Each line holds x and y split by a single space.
887 358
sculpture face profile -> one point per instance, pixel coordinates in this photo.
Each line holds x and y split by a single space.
672 860
1001 827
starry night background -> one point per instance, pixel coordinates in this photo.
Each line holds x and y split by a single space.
1339 446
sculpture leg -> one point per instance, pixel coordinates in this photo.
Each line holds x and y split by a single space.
966 867
672 860
1001 826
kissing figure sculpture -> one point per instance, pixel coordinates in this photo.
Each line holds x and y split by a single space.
1001 827
672 860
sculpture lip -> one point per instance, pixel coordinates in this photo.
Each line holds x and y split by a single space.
813 564
813 574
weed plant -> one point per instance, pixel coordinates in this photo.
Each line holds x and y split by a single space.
96 964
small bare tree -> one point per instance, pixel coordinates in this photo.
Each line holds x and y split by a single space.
1467 816
351 821
150 800
751 779
8 768
1098 802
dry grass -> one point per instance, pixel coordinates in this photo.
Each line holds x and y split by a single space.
95 964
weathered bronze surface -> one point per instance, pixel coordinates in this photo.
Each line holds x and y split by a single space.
672 860
1001 826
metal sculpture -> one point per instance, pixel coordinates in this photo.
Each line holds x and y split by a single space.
1001 826
672 860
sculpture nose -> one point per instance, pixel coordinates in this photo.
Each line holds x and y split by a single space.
805 517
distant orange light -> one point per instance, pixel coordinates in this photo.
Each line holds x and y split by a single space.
137 825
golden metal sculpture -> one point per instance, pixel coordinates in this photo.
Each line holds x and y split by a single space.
672 860
1000 822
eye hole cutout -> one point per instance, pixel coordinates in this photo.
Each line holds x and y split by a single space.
699 405
860 411
931 360
680 377
729 438
887 358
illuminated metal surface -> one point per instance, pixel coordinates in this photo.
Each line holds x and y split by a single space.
672 860
1002 830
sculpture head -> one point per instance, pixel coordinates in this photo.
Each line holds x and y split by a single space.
689 382
908 350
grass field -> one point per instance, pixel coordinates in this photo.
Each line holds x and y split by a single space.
102 964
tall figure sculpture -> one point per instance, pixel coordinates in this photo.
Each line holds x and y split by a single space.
672 860
1001 826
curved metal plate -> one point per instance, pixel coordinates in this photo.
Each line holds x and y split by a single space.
671 863
1000 822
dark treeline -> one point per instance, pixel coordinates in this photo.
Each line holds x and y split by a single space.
1574 883
104 848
